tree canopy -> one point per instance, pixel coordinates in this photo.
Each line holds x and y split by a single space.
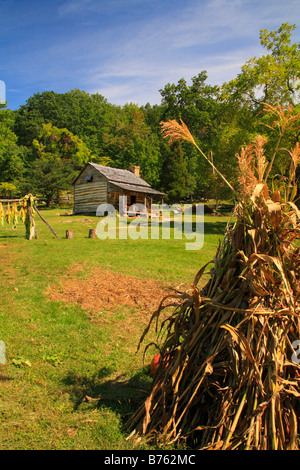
272 77
59 156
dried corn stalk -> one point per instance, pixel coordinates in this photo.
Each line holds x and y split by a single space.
27 213
8 213
229 374
11 214
1 214
14 214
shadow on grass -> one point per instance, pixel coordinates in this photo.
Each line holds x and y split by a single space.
2 237
210 228
217 227
214 227
121 394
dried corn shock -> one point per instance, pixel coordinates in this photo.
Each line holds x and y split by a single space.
229 375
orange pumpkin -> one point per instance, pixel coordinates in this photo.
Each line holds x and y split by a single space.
154 364
156 360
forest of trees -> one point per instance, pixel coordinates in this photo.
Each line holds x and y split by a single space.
47 141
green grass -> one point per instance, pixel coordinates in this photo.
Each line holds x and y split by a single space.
70 383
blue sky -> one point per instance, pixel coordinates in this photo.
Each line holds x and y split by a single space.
127 50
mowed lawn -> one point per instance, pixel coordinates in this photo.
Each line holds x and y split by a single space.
73 377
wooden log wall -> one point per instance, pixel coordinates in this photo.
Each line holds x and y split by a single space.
115 192
89 195
113 197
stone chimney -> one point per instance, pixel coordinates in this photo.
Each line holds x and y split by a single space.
135 170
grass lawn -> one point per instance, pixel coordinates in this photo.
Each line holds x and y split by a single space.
69 382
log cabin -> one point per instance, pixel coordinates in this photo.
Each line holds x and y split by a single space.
98 184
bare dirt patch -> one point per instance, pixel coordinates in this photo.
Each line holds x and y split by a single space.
105 291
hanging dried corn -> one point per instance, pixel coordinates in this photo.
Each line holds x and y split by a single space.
14 214
26 214
8 213
22 214
27 203
1 214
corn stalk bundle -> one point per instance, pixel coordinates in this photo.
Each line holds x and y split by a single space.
14 214
229 374
27 214
1 214
8 214
11 214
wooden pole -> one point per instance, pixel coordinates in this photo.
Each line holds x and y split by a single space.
69 234
17 200
54 233
9 200
32 228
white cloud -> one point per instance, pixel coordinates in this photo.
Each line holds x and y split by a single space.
218 36
73 7
140 83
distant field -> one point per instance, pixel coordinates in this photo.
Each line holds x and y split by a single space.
72 313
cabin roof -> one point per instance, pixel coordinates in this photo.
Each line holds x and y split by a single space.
118 175
138 188
124 179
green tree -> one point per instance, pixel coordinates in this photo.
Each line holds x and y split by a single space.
11 155
8 190
199 106
131 141
59 155
271 78
196 104
176 181
89 116
61 143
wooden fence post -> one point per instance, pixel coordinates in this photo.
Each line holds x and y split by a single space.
32 233
92 233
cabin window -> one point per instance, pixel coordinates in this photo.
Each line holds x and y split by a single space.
89 178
